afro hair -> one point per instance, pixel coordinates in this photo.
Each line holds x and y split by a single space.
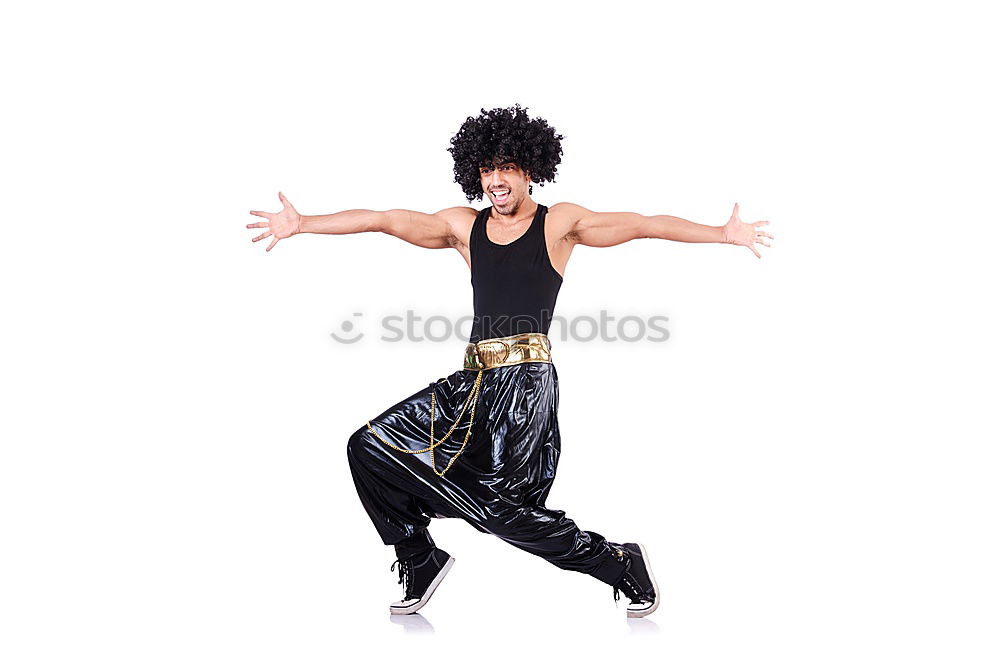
504 135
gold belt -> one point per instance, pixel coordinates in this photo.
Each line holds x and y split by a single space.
481 356
509 350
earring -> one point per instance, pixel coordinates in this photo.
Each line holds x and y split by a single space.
529 189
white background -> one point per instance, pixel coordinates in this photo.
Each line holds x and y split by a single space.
811 459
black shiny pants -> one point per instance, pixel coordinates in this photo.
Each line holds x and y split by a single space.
499 481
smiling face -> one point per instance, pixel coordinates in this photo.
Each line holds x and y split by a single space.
506 185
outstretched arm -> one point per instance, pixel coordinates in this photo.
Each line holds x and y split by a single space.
425 230
602 229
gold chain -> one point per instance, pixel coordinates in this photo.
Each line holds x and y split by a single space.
434 444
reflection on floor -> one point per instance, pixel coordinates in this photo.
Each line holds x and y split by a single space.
413 623
417 624
642 626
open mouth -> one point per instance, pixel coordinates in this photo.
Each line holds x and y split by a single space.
501 195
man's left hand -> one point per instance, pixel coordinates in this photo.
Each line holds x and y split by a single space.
744 234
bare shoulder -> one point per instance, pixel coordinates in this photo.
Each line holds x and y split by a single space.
567 209
460 220
458 214
563 216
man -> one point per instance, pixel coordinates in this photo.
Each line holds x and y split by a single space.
495 461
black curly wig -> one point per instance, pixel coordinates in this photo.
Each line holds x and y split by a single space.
504 135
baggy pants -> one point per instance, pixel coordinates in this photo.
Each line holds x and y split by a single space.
500 479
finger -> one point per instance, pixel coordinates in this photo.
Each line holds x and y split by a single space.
761 223
262 214
762 242
736 210
284 200
755 251
258 225
259 237
273 242
764 234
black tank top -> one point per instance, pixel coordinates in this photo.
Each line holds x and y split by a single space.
514 286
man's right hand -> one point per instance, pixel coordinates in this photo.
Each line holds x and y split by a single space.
279 226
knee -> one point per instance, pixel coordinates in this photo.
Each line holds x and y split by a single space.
357 443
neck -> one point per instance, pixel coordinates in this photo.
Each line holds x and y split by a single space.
526 209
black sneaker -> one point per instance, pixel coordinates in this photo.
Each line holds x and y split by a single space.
638 583
422 574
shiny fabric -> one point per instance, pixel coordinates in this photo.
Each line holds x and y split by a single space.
500 481
508 350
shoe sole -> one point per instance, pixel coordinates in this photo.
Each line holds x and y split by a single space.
639 613
412 609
